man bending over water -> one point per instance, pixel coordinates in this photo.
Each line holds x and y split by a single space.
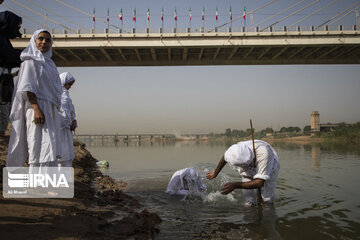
257 173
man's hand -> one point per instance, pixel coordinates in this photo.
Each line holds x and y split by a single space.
228 188
211 175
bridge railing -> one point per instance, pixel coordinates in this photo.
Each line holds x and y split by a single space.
199 30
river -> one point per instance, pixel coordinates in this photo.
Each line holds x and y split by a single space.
317 191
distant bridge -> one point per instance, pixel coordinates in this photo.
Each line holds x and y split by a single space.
126 137
305 45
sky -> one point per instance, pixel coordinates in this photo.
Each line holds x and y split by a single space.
203 99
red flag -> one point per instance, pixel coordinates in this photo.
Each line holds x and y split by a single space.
134 15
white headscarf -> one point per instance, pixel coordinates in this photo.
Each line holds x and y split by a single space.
32 52
239 155
41 79
66 102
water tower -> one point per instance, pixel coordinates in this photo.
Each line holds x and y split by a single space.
315 123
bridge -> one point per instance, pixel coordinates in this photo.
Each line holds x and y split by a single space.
299 45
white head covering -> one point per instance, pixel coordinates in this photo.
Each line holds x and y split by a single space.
32 52
42 78
184 181
239 155
65 78
67 107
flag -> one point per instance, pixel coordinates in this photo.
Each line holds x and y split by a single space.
203 14
108 17
175 15
121 15
245 13
162 14
134 15
230 14
190 14
94 15
216 13
148 15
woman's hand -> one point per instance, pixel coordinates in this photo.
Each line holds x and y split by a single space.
39 117
73 125
211 175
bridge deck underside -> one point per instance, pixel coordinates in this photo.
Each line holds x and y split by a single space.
226 49
249 55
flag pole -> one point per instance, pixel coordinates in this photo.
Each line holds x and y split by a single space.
260 200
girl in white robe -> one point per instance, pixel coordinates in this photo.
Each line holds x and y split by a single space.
36 101
67 121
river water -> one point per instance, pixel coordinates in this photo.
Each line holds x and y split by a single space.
317 192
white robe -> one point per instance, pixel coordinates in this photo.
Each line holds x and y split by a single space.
40 143
67 116
184 181
240 157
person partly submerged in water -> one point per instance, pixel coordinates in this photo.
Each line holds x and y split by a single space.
258 172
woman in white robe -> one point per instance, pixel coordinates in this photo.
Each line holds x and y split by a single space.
67 121
36 101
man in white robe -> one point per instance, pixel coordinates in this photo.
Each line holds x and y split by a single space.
184 181
34 115
257 173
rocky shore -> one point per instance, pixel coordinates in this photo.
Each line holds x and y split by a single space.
99 209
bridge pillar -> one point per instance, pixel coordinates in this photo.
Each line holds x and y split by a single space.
298 28
106 30
148 30
340 27
271 29
175 30
230 29
216 29
120 30
284 28
243 29
354 28
161 30
326 28
189 30
257 29
134 30
312 28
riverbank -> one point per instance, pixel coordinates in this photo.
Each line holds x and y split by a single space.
99 209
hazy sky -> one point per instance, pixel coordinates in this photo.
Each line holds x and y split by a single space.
205 99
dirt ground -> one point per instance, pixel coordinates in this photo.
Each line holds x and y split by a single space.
99 209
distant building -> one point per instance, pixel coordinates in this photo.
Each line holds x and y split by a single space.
317 127
315 123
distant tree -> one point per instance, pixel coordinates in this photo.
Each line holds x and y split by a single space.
307 128
269 130
283 129
228 132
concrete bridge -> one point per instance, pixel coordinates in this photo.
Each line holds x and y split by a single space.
305 45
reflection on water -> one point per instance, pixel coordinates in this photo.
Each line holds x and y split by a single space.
317 196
